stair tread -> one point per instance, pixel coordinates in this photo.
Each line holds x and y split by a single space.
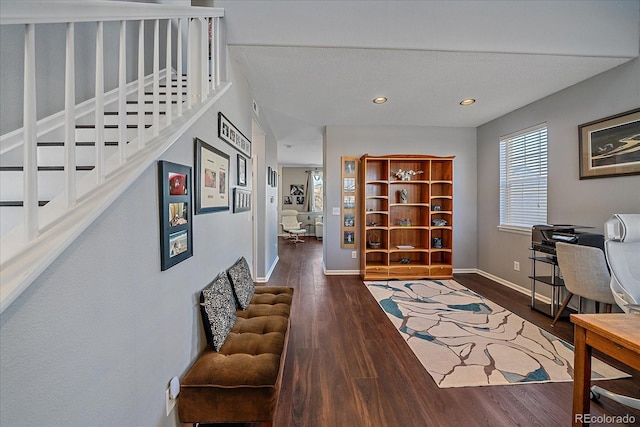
20 203
109 126
43 168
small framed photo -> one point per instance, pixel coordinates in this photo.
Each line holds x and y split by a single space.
610 146
287 200
242 170
241 200
269 176
176 234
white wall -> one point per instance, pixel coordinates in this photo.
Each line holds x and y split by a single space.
356 141
570 200
95 339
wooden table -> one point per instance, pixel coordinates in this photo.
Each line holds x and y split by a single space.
616 335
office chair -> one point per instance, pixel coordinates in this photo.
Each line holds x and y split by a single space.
585 274
622 246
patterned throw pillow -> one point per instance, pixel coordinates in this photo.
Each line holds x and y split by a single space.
218 309
240 277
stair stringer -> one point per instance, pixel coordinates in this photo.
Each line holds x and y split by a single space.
21 262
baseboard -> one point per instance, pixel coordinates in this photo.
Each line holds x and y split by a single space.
339 272
273 267
543 299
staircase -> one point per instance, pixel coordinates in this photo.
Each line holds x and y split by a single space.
58 174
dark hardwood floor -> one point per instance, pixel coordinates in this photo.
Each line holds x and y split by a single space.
348 366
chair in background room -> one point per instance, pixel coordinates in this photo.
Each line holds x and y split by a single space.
319 227
291 225
622 247
585 273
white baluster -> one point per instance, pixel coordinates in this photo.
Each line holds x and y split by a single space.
30 149
204 59
70 118
179 72
218 47
100 172
141 109
122 94
156 78
168 76
191 68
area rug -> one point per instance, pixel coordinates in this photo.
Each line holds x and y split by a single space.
463 339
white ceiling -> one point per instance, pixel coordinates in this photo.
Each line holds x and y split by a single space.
317 63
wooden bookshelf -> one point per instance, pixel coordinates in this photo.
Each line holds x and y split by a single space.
406 226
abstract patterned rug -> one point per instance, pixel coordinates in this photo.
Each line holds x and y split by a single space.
463 339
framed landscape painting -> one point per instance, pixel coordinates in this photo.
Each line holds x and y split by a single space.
610 146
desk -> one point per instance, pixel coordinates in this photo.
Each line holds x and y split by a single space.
616 335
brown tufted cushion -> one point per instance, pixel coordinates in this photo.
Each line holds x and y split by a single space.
240 382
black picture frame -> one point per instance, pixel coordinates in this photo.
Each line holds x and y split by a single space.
269 176
608 146
212 178
232 136
176 219
241 200
242 170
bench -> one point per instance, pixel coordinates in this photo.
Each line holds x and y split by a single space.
240 380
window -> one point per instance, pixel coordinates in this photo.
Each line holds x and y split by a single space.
317 199
523 178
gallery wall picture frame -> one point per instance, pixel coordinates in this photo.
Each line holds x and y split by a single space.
176 220
241 200
242 170
269 176
348 183
232 136
610 146
274 178
212 178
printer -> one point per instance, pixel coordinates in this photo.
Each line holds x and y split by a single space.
544 237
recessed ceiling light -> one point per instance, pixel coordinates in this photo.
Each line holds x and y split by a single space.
379 100
468 101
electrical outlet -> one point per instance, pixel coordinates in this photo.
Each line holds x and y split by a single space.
516 265
170 403
354 254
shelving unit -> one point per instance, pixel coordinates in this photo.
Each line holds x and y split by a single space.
412 236
554 280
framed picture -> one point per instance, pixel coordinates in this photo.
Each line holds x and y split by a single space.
287 200
212 178
274 179
610 146
242 170
296 190
348 228
269 176
241 200
176 234
232 136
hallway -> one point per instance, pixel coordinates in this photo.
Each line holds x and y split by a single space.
347 366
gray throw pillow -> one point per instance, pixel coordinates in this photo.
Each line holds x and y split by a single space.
243 286
218 309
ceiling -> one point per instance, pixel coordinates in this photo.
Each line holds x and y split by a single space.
317 63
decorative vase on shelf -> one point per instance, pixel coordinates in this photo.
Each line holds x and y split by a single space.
404 195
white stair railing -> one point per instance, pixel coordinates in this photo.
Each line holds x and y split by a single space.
47 230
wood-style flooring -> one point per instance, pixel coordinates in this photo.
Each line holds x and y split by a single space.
348 366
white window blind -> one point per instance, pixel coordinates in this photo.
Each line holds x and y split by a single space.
523 178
